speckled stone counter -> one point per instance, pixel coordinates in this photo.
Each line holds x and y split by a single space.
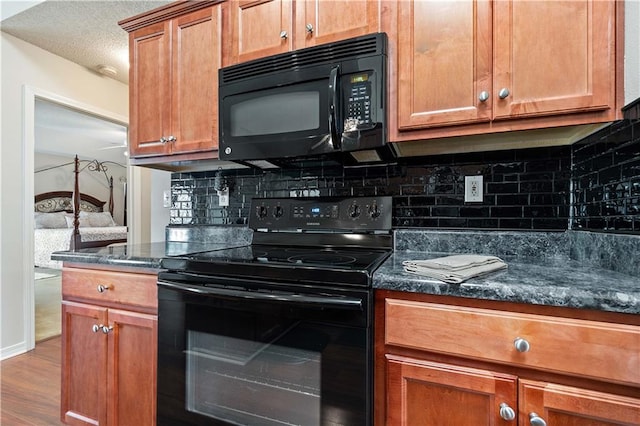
540 270
180 241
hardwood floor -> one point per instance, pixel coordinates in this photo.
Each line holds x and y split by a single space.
30 384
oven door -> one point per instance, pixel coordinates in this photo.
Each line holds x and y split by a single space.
231 354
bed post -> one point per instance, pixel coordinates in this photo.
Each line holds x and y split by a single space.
111 195
76 239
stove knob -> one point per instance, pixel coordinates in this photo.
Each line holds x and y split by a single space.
374 211
261 211
278 211
354 211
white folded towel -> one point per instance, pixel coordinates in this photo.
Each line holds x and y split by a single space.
455 269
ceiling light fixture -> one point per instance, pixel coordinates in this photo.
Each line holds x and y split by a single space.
107 70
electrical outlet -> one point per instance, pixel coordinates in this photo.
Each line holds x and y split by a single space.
223 197
473 189
166 198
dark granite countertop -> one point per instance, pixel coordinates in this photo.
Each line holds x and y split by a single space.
576 270
135 255
541 270
550 282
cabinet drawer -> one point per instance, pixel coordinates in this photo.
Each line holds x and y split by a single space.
578 347
117 287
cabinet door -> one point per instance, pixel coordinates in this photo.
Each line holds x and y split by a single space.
149 90
569 406
131 384
260 28
422 393
325 21
196 58
443 63
553 57
84 365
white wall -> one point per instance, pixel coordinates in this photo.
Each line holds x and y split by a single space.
632 51
160 215
26 65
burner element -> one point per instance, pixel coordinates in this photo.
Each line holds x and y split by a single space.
323 259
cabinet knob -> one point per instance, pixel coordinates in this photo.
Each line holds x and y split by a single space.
507 412
96 328
309 28
535 420
521 345
106 329
163 140
284 34
503 93
102 288
171 138
484 95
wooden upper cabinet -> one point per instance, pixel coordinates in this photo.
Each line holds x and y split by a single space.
197 56
479 66
553 57
268 27
325 21
260 28
174 84
444 63
149 89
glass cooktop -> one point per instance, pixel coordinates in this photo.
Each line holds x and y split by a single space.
283 263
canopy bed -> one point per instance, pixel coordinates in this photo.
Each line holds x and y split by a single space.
70 220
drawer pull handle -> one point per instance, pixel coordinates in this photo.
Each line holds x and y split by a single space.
535 420
507 412
521 345
103 288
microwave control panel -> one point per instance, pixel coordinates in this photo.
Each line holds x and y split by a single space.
357 92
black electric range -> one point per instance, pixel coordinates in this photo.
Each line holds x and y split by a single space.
279 331
333 241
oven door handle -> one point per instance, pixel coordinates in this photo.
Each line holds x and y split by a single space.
315 300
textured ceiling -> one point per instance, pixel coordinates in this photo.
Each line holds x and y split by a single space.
84 32
87 33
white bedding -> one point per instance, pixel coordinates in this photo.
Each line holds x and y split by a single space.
49 240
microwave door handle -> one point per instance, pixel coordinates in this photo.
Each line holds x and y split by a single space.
333 102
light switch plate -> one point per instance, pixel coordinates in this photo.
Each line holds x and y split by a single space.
473 189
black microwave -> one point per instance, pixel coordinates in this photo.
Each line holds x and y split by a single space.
313 102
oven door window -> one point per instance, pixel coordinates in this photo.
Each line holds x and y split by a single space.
262 363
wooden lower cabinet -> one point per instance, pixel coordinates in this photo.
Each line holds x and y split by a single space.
108 355
428 393
571 406
440 363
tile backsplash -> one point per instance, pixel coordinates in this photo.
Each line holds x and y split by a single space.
606 179
523 189
592 185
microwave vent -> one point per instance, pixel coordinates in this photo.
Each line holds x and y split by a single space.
373 44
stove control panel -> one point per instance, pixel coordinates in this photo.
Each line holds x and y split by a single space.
356 214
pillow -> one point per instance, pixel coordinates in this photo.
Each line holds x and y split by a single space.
51 220
93 220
